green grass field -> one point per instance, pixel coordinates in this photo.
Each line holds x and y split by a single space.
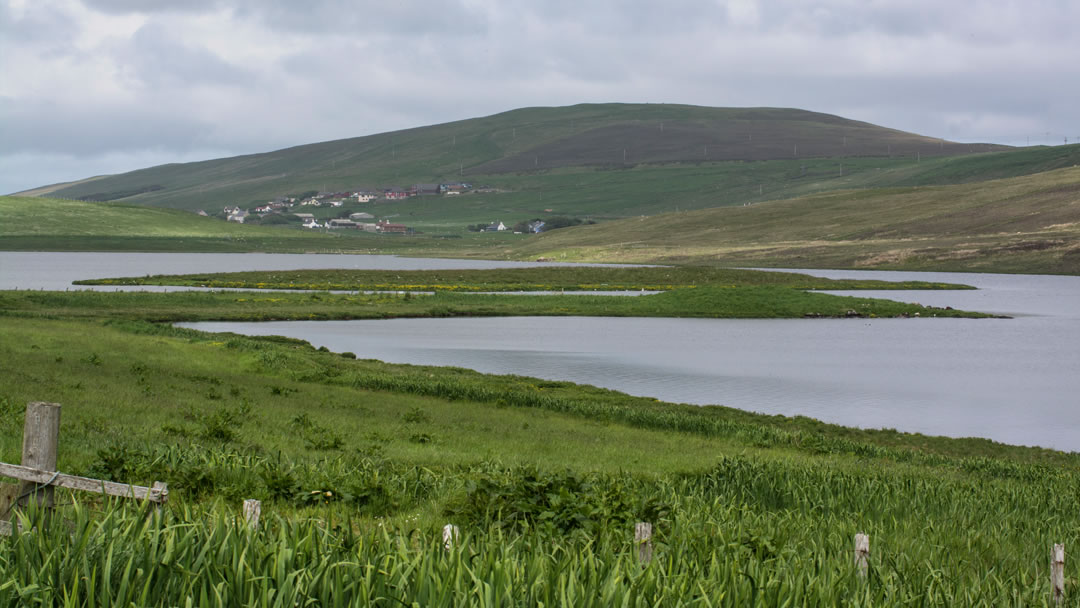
359 464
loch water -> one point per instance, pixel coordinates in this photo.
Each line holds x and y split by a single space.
1014 380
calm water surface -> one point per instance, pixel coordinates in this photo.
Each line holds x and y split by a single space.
56 270
1013 380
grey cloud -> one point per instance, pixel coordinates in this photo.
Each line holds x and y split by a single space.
78 130
158 57
120 7
43 25
332 18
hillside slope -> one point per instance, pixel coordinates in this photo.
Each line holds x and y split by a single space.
44 224
1020 224
530 139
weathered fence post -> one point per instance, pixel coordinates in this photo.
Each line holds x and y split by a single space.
252 512
643 540
450 536
1057 573
862 554
40 434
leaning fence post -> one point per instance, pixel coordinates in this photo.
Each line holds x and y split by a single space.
252 512
41 431
450 536
643 540
862 553
1057 573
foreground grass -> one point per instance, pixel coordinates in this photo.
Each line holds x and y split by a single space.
359 464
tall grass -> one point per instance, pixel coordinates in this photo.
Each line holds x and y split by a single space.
746 533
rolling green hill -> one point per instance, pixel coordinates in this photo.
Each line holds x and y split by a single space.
1019 224
525 140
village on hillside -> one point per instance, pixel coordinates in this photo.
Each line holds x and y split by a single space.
348 210
308 208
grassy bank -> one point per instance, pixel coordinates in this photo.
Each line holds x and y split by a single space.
360 463
761 302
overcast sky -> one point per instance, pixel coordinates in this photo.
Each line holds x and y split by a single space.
104 86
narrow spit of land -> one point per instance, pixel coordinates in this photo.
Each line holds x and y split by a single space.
687 292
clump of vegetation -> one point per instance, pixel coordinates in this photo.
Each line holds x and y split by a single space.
415 416
555 502
315 435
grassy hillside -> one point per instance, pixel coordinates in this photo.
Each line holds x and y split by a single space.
1021 224
530 139
44 224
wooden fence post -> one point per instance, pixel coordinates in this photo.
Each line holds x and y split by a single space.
643 540
40 434
1057 573
450 536
862 554
252 512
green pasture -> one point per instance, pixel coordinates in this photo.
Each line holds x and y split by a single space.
359 464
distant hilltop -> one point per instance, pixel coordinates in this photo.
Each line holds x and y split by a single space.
519 141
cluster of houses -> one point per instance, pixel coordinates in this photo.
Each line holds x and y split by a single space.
283 204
